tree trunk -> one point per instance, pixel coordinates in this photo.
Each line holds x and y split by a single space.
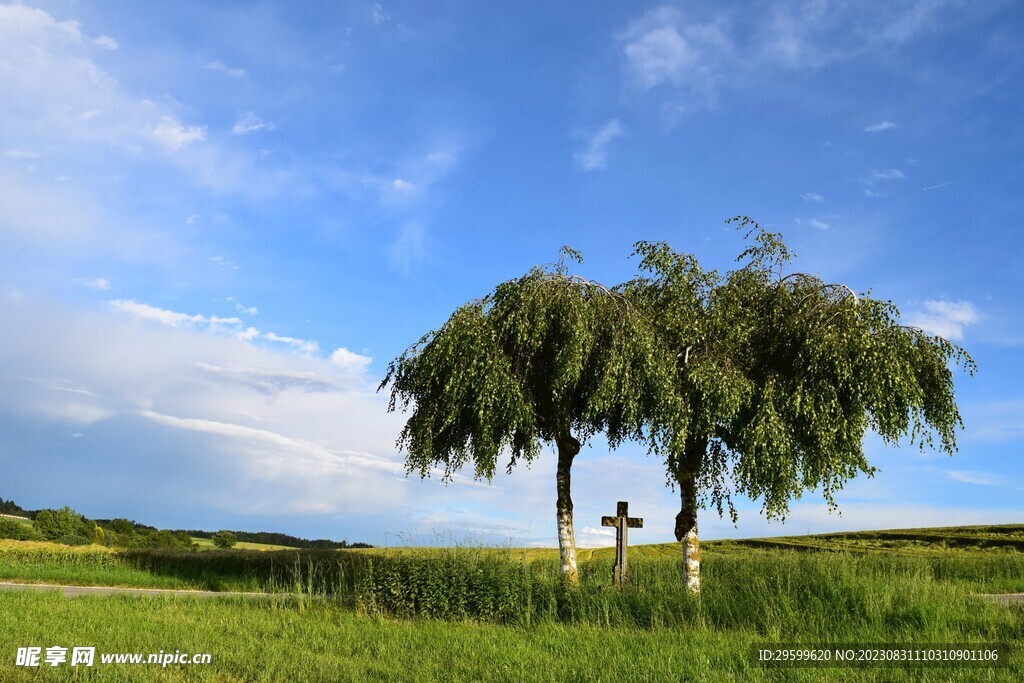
686 520
568 447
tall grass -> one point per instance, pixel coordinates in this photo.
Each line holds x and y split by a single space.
313 572
777 594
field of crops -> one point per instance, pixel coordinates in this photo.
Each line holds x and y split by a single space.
503 614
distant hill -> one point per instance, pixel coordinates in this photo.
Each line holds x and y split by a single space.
9 507
272 538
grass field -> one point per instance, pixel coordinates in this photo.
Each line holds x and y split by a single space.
486 614
16 518
207 544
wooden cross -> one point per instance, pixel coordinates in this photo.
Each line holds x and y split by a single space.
621 521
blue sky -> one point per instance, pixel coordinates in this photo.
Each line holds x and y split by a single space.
220 221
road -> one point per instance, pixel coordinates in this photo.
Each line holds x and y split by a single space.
75 591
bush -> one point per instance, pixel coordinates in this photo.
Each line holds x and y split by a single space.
54 524
224 539
73 539
17 531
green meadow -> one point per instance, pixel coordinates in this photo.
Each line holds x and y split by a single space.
472 613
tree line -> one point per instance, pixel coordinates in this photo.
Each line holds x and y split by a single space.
71 528
273 538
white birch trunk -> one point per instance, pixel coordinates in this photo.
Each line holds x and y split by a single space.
691 561
568 447
686 520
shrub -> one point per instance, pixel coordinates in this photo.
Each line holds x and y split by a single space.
54 524
224 539
73 539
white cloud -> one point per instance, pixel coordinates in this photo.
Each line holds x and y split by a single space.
72 413
813 222
979 478
408 180
248 310
659 55
106 42
595 537
377 14
999 421
217 65
945 318
693 56
594 155
920 16
172 134
229 327
349 360
94 283
303 345
662 47
409 248
812 197
322 455
25 20
65 103
879 127
250 123
21 154
170 318
935 187
272 381
225 262
886 174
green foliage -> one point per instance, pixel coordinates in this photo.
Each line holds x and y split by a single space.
224 539
784 374
124 533
122 526
73 539
19 531
54 524
540 358
781 593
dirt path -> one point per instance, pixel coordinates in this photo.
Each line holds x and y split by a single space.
1004 598
75 591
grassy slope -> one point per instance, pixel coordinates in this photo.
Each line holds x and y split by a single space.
21 520
207 544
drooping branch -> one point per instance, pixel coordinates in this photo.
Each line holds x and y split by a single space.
814 282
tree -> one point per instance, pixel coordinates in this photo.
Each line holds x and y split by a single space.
55 524
225 539
782 376
548 357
